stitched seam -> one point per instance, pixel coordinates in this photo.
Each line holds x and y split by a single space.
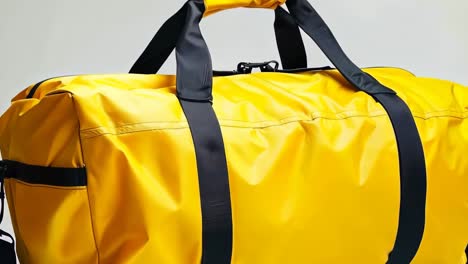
316 115
138 123
312 120
87 189
49 186
266 124
97 134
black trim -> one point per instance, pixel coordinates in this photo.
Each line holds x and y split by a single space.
213 182
32 174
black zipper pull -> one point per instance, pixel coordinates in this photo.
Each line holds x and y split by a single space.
247 67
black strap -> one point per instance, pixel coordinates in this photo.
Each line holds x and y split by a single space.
410 148
288 38
314 26
7 248
213 182
53 176
412 180
207 138
194 85
161 46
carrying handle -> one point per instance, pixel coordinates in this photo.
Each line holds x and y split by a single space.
288 39
194 66
213 6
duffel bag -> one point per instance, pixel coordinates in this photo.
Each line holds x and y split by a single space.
330 165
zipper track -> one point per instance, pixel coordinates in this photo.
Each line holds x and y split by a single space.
36 86
229 73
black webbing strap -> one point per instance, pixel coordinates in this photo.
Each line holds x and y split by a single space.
410 149
194 94
213 182
289 41
53 176
161 46
194 90
7 248
412 180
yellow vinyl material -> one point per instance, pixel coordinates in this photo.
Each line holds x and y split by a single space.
313 169
213 6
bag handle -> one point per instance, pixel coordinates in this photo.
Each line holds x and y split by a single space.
288 39
213 6
194 68
194 91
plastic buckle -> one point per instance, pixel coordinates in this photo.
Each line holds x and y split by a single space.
247 67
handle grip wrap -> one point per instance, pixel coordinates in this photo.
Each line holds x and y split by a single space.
213 6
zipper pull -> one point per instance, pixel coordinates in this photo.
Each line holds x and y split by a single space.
268 66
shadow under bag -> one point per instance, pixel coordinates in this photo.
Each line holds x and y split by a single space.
298 165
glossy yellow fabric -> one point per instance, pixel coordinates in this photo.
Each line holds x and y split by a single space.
313 169
213 6
52 224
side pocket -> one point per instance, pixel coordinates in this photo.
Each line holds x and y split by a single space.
50 213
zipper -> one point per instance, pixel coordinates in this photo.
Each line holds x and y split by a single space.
36 86
236 72
325 68
299 70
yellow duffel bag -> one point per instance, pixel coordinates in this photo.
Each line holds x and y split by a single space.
296 166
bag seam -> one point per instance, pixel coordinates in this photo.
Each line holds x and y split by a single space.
122 130
87 187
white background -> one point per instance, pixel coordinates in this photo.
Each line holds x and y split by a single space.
40 39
